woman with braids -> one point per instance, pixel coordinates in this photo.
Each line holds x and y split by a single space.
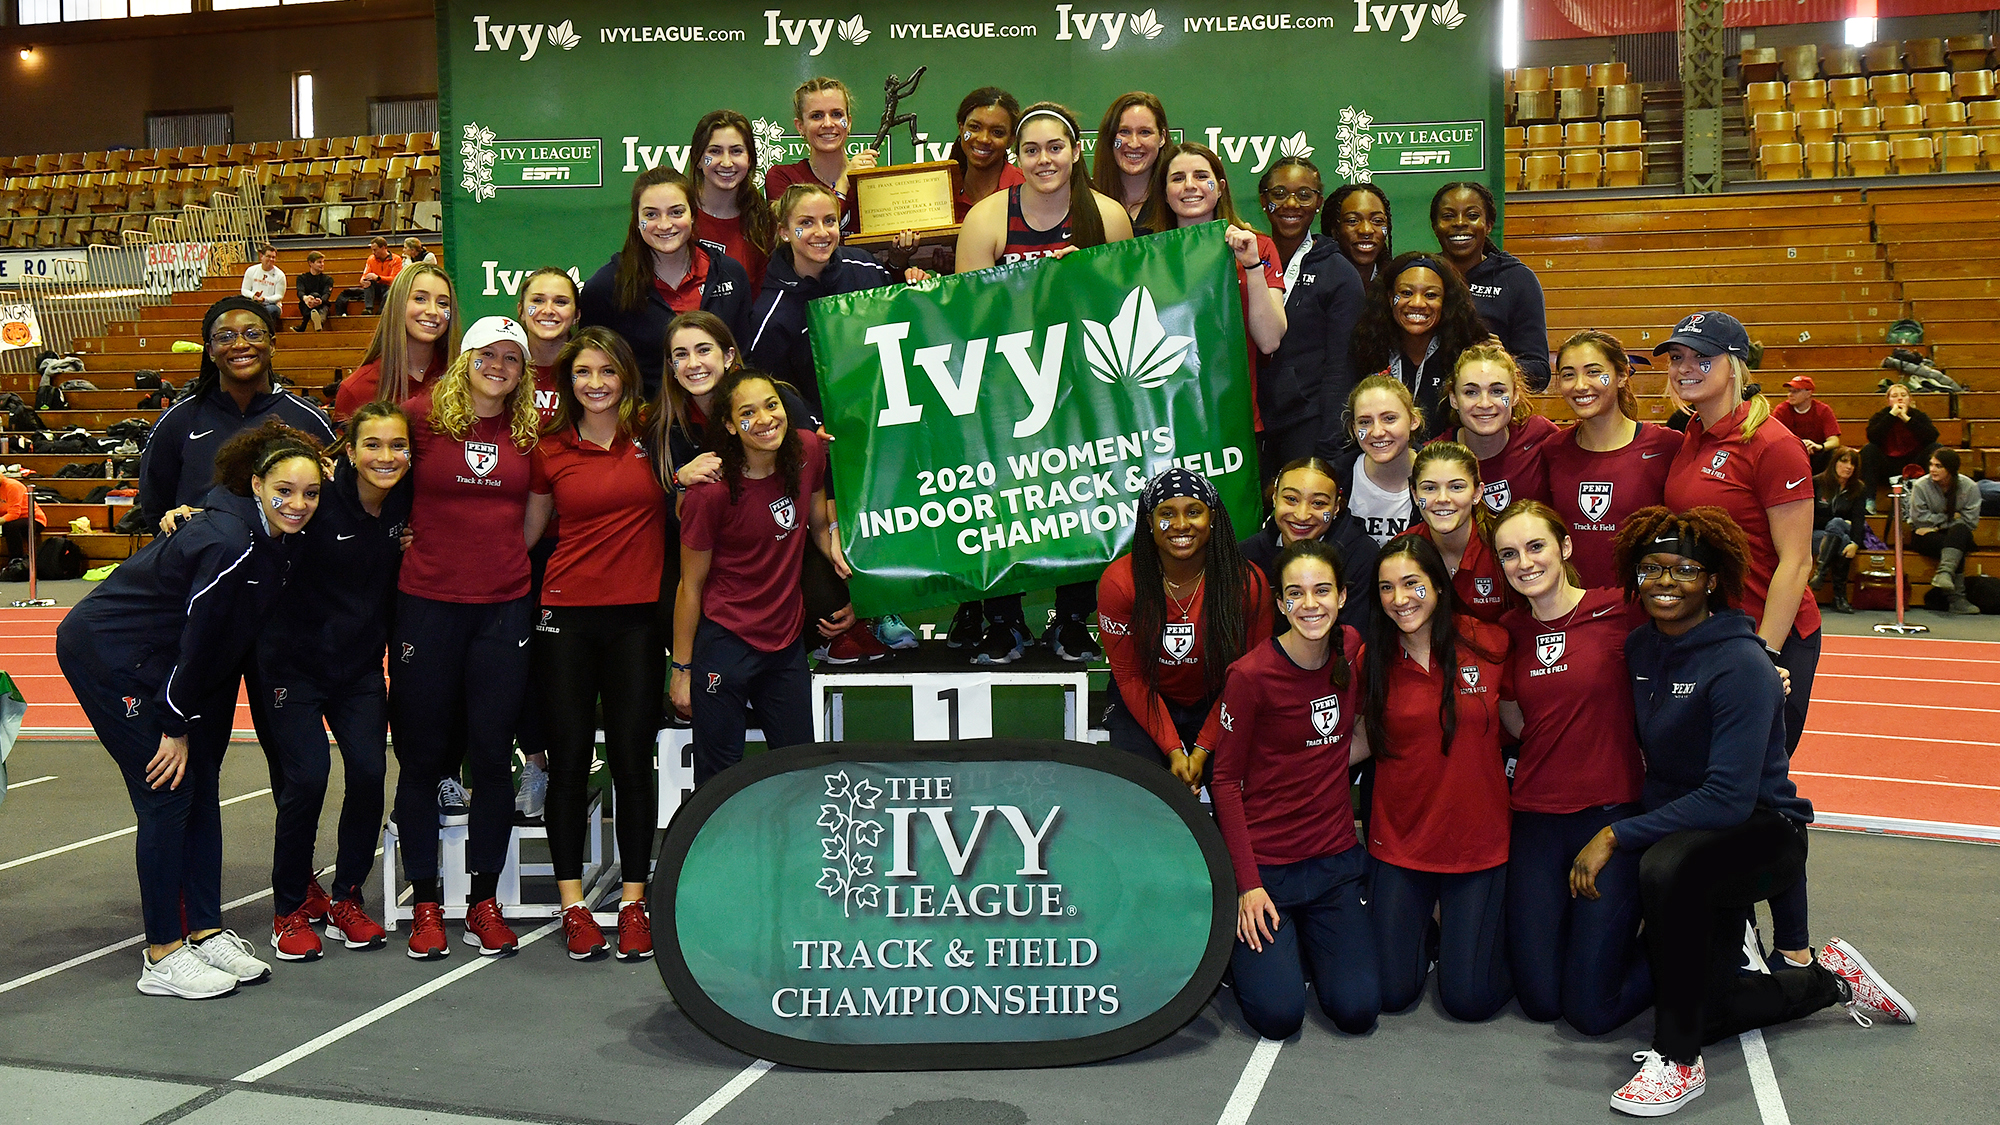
986 118
1170 636
153 654
1942 508
1609 464
1577 769
729 211
663 271
1506 292
1417 319
1286 742
740 612
415 337
1490 414
319 661
1444 481
1129 142
1357 219
1053 212
1306 506
1436 687
1840 506
1304 383
822 113
458 663
1723 826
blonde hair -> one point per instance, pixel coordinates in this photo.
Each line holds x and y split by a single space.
1393 386
1739 375
391 343
821 85
451 404
1499 357
797 194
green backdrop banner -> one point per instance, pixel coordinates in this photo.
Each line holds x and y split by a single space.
994 429
549 112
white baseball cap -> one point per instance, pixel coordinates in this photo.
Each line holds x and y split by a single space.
492 330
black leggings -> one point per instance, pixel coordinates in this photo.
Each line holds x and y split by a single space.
1956 537
1878 468
1696 889
581 654
1574 958
1472 973
301 710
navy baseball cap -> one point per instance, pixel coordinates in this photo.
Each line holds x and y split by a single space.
1710 333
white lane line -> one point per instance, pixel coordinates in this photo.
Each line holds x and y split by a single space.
259 1073
1910 706
721 1098
1818 676
1878 739
1957 833
1896 780
13 863
1892 656
1251 1085
13 785
1763 1080
115 946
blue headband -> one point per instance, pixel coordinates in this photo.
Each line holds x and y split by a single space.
1176 482
1423 261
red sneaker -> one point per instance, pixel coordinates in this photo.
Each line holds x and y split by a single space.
1869 990
427 940
317 903
856 646
585 936
292 937
1660 1087
635 932
486 929
346 922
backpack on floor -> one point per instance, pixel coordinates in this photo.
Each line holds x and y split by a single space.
1983 591
60 558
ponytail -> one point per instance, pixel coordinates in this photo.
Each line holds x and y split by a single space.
1086 222
253 453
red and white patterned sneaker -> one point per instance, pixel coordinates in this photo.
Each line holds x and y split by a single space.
317 903
1870 990
583 935
486 929
292 937
427 940
1660 1087
347 923
635 932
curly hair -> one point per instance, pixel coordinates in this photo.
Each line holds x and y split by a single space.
1498 357
1378 339
1385 644
631 403
1337 671
722 438
1535 509
1613 352
254 453
1227 625
1709 524
451 404
1329 220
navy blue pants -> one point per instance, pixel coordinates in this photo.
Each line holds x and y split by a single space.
1472 970
1129 736
454 665
179 846
1790 922
583 655
1574 958
1324 928
299 709
729 676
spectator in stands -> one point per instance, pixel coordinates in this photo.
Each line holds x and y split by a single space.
823 113
1504 290
1900 438
663 271
1942 509
1488 412
1813 421
315 293
14 498
1135 128
1376 482
153 654
408 352
1169 636
1305 504
1444 479
264 283
414 253
1417 319
1723 824
1609 464
1303 385
728 210
1357 219
1840 512
378 272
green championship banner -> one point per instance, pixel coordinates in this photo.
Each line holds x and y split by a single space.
549 111
918 906
993 430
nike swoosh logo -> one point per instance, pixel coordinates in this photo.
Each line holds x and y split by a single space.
204 433
523 644
252 582
1650 456
344 538
1602 612
1795 483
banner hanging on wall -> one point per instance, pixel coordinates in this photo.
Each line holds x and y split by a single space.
549 112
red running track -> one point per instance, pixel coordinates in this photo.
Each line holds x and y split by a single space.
1903 736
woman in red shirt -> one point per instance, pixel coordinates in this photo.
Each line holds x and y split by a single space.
458 657
1287 739
823 113
1437 687
740 612
1489 413
986 119
596 637
415 337
1578 771
1168 635
728 209
1445 482
1609 464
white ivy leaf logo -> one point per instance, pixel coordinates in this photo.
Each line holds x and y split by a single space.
477 174
852 30
831 882
1134 347
770 138
1295 145
1147 23
1446 14
1347 119
564 35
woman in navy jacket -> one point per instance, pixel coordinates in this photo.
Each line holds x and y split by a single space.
1303 385
1506 292
809 262
1723 826
153 655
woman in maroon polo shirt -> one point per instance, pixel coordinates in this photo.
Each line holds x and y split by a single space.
596 637
1488 412
1445 483
1609 464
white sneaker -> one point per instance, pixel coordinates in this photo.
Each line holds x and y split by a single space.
1660 1087
232 955
532 798
184 974
454 804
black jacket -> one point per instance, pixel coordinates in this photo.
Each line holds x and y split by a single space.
1509 299
1306 381
1711 713
726 294
1920 424
315 285
778 342
181 615
333 621
1849 506
1357 563
178 466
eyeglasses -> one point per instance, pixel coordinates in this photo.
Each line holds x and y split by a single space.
227 337
1682 572
1305 197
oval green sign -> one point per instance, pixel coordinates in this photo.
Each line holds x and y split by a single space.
925 905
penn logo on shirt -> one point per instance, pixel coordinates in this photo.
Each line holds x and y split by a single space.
1715 464
1483 587
1683 689
1176 641
1498 494
1469 675
131 706
1326 715
278 698
481 456
1593 498
543 625
785 514
1549 648
409 650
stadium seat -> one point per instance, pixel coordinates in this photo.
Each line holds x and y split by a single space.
1818 126
1944 115
1884 57
1531 78
1583 134
1889 89
1806 94
1576 103
1924 54
1822 160
1989 149
1983 116
1533 106
1583 170
1514 138
1572 77
1512 170
1913 156
1628 100
1972 85
1800 63
1968 52
1544 137
1860 122
1868 158
1961 153
1757 64
1780 161
1608 74
1763 97
1624 134
1848 93
1902 119
1624 168
1931 87
1776 128
1541 171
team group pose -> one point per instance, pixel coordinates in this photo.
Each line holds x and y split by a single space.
1568 665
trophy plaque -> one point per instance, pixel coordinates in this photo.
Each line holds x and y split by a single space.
918 197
